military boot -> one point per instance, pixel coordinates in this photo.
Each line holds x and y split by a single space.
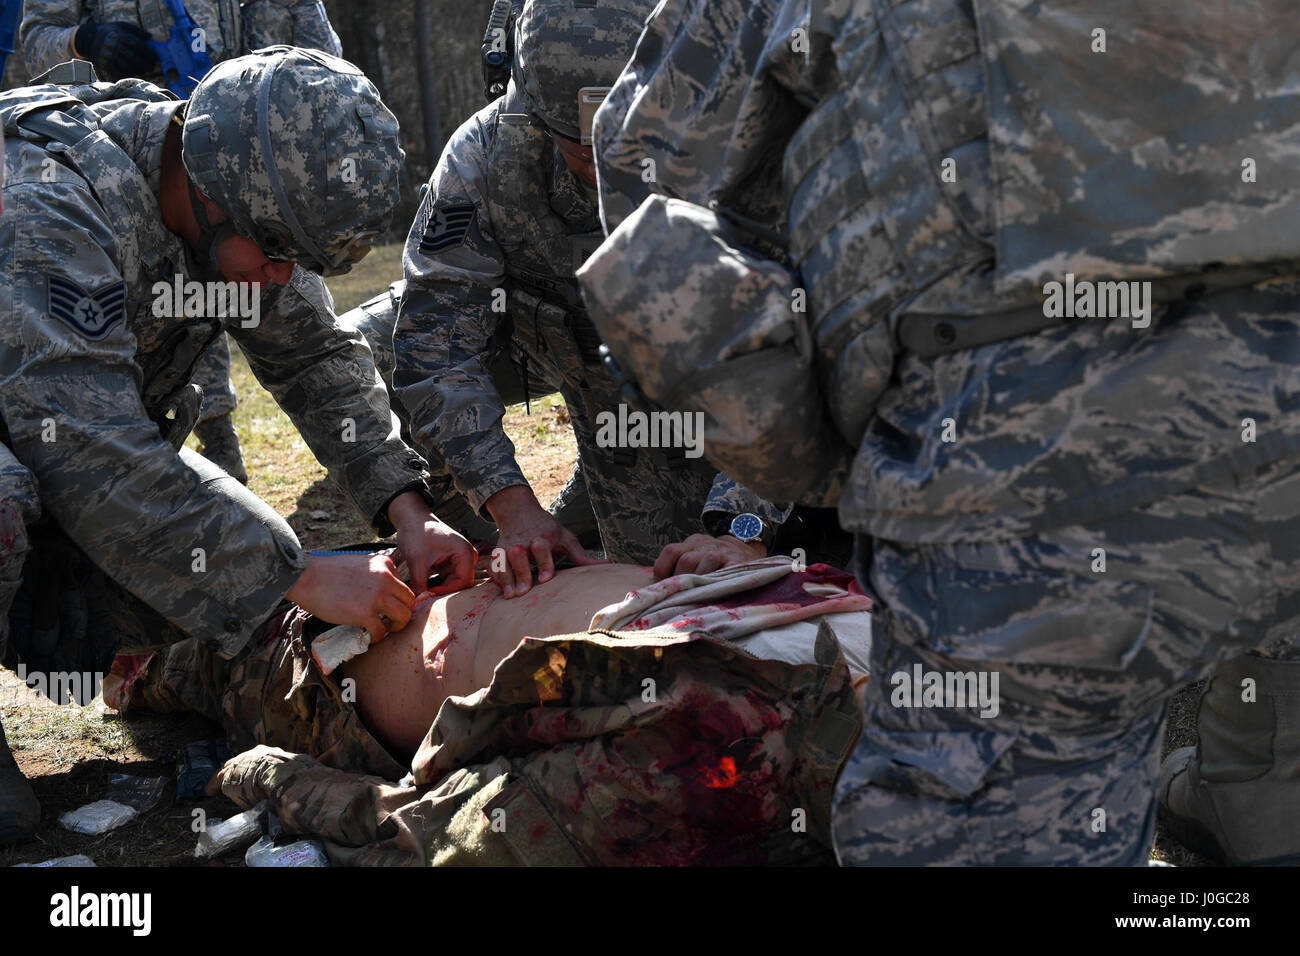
572 508
1235 797
20 812
221 446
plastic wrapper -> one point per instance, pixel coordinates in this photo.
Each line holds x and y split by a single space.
233 834
98 817
141 794
300 853
79 860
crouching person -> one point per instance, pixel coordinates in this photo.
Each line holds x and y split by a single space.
113 192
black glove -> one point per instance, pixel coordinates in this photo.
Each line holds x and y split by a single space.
118 50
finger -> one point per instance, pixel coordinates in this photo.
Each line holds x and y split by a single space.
545 563
213 788
710 561
577 554
667 560
518 558
461 575
376 628
398 614
503 578
419 565
687 563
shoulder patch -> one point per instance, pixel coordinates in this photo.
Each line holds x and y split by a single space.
448 226
92 314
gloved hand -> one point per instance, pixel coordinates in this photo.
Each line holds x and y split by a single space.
118 50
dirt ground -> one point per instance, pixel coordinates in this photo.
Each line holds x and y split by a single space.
69 752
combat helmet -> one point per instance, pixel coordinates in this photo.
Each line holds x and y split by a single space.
297 147
565 48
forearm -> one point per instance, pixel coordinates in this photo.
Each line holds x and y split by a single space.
46 34
310 798
171 528
442 380
325 380
728 497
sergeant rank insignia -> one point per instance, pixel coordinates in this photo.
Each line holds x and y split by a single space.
448 226
92 314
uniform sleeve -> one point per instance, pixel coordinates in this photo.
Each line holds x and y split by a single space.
295 22
369 821
46 33
197 547
703 107
447 322
324 378
729 497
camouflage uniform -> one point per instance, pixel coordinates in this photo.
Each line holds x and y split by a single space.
273 692
94 399
503 214
375 320
563 760
230 29
1083 508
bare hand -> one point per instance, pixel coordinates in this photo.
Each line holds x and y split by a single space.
528 531
359 589
702 553
428 544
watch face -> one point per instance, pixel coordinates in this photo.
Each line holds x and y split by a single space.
746 527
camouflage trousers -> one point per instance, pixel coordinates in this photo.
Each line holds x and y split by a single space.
212 374
273 692
1089 631
643 498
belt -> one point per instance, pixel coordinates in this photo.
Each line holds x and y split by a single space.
932 335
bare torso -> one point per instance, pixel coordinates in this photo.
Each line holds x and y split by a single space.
452 645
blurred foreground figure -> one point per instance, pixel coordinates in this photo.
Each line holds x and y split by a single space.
114 535
1061 418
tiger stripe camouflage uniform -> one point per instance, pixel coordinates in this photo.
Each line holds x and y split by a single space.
1095 511
491 255
230 28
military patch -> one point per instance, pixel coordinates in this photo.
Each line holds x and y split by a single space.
92 314
448 226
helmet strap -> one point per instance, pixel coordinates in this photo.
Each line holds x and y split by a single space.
209 238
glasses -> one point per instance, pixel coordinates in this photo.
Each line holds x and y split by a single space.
278 245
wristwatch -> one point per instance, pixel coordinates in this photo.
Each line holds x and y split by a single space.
749 528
